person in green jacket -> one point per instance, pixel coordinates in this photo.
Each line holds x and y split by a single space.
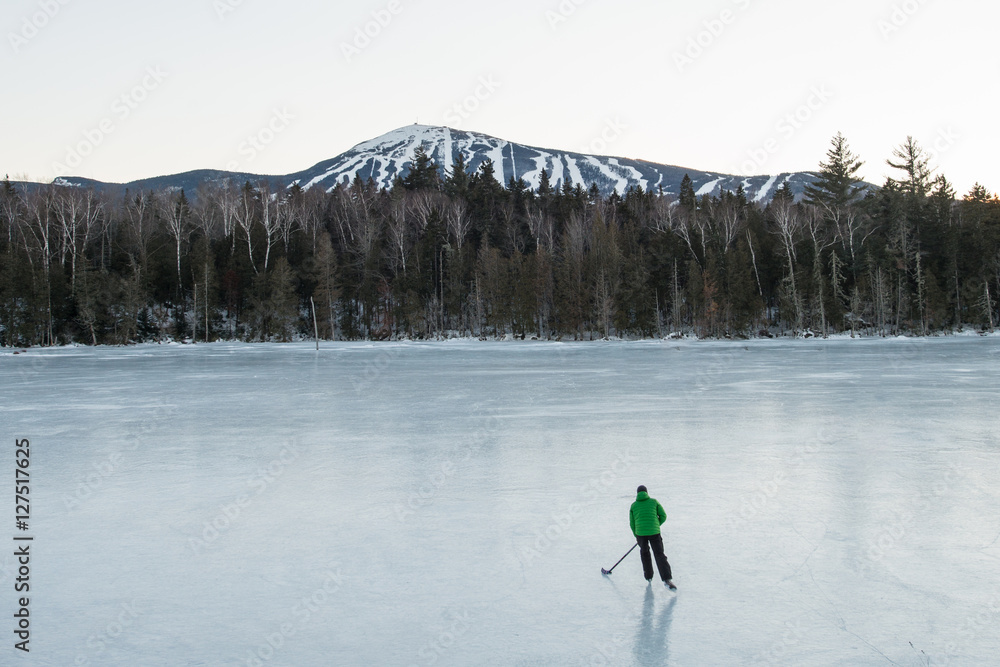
645 518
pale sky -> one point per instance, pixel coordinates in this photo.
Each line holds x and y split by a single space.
119 90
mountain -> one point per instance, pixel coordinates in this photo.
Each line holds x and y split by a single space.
388 156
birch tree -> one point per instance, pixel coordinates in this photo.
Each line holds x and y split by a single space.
787 226
175 214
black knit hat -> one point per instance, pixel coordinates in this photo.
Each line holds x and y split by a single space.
641 489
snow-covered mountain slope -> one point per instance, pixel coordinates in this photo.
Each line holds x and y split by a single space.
390 155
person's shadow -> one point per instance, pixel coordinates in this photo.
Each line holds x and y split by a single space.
652 642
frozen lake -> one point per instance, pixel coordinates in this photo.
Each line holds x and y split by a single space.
829 503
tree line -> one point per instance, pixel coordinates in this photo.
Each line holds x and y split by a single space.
444 253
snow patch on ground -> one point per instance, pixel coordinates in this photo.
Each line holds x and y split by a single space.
766 188
709 188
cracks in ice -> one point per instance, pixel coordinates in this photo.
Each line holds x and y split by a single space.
921 655
992 544
871 646
805 564
815 548
841 622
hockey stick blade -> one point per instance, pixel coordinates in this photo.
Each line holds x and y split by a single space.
607 572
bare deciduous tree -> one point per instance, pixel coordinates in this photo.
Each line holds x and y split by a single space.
541 228
457 222
174 212
245 214
788 225
77 212
139 225
398 231
664 214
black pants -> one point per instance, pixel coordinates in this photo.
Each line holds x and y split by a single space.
655 541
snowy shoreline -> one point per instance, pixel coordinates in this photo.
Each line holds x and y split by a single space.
474 340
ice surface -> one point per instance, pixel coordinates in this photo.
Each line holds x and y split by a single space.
829 503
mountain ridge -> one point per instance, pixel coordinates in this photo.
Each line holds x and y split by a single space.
389 155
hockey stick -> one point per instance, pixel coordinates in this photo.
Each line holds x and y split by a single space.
607 572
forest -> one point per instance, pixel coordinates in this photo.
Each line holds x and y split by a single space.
449 251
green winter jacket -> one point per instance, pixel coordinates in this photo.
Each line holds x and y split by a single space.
646 515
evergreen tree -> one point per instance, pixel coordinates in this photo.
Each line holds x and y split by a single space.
687 197
423 173
567 187
907 257
838 185
978 194
457 182
784 194
594 194
913 161
544 187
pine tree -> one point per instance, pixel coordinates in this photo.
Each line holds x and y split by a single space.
784 193
544 187
457 182
567 187
838 185
913 161
978 194
687 197
594 194
423 173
